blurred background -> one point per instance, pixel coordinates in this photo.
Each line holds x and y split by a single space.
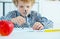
47 8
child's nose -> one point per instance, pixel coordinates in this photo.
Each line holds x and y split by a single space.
25 10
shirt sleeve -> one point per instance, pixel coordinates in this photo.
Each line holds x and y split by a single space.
44 21
9 16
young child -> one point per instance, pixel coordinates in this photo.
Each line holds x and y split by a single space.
24 17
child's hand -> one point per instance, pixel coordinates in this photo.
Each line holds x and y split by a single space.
19 20
37 26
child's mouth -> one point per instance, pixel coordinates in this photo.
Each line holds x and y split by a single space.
25 13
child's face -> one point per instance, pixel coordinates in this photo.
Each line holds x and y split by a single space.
24 8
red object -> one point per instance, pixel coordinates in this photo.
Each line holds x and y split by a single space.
6 27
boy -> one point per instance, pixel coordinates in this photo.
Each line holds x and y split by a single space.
24 17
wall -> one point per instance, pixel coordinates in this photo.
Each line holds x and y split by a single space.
51 10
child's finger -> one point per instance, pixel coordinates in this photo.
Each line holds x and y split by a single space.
35 26
40 28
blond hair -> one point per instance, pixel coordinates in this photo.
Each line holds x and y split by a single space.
25 1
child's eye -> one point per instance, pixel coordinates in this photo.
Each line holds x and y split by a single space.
21 6
27 6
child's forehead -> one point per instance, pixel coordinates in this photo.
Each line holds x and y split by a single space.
22 3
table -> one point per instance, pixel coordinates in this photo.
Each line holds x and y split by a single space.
26 33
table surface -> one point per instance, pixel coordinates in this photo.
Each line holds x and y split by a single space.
29 33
